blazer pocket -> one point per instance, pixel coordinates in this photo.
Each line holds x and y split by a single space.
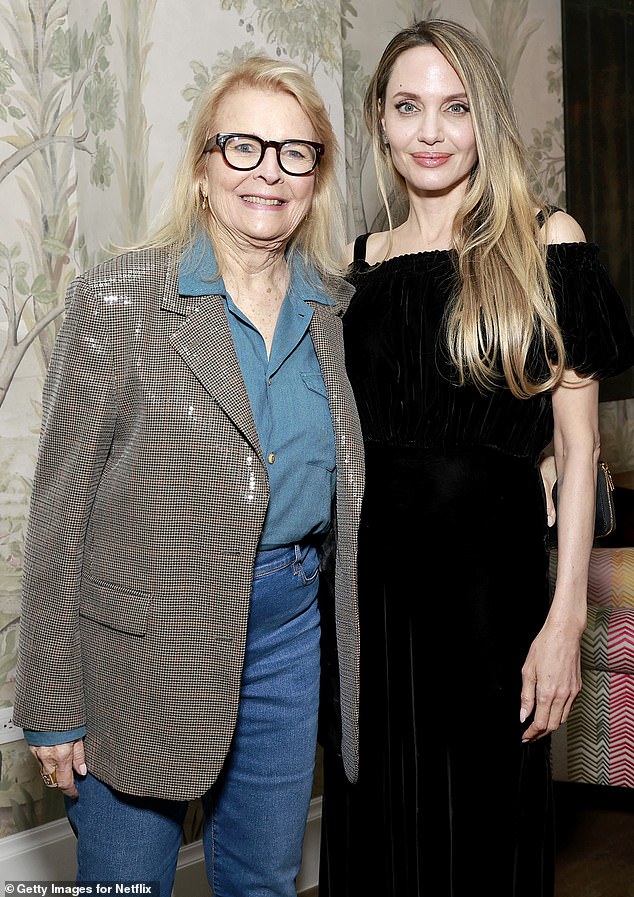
125 610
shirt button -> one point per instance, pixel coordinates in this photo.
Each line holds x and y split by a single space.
270 380
271 457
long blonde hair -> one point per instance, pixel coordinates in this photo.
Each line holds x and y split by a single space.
321 235
503 301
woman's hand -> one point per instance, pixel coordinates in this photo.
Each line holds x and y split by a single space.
551 678
61 760
548 470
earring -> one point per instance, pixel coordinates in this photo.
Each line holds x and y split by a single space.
384 139
203 204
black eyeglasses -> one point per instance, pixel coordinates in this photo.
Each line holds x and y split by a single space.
244 152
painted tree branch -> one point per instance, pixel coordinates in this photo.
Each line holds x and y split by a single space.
15 349
19 156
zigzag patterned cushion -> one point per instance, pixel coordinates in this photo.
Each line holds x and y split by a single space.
611 577
608 642
600 729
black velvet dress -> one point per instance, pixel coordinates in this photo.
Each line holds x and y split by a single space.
453 587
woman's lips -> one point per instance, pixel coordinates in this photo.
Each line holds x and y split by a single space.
431 160
263 200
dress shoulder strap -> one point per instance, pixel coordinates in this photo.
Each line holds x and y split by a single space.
359 247
540 217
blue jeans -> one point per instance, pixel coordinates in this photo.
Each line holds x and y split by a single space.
255 814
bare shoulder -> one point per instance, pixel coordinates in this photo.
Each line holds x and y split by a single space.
348 254
563 228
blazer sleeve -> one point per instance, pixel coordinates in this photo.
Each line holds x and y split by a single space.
78 424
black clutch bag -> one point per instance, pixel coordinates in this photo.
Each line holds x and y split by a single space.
604 518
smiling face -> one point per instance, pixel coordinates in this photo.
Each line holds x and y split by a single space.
427 122
265 206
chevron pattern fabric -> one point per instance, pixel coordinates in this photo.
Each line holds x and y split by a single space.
600 729
611 577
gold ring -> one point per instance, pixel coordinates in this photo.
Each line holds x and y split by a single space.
50 778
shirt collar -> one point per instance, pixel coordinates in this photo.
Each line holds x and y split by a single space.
199 275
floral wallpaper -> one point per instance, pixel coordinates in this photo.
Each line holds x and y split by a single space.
94 97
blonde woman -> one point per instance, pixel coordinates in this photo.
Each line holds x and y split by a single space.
480 328
198 431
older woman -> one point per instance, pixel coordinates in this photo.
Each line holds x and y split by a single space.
198 431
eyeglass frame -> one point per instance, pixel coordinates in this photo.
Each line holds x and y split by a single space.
221 139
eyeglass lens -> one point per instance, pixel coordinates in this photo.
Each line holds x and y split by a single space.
294 157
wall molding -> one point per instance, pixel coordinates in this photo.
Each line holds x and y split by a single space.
47 853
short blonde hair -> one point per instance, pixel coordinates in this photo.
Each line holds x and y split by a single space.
321 236
503 301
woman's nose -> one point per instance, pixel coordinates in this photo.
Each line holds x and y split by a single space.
430 128
269 167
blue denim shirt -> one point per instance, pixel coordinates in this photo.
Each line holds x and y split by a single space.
287 395
290 410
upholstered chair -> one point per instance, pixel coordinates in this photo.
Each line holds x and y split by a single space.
597 743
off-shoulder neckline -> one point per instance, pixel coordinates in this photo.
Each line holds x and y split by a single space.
437 254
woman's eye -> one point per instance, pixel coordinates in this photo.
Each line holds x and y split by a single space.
406 107
295 152
458 108
244 148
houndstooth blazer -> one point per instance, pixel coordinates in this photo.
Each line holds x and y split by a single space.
148 502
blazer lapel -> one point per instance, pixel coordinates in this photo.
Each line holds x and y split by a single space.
205 344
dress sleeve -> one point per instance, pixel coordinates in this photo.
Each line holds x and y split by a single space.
597 334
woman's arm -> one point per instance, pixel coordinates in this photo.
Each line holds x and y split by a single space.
552 672
551 675
79 417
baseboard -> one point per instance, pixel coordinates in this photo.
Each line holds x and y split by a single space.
47 853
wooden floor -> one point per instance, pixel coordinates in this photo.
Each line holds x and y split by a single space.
596 841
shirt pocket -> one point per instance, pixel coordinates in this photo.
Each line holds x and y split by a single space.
319 435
